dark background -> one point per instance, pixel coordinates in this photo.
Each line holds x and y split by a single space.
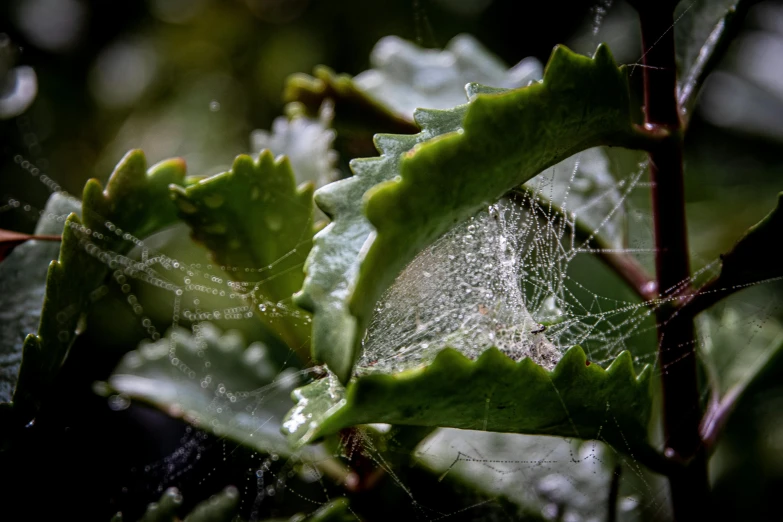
120 74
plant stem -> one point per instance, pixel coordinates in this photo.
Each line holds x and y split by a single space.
676 341
614 494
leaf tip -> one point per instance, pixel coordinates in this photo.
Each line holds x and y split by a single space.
622 366
132 166
573 356
173 169
244 164
93 194
603 55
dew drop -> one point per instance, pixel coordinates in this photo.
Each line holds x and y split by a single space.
214 200
274 222
119 402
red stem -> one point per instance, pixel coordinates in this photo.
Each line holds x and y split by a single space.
676 340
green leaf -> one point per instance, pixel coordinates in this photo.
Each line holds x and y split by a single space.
406 77
464 159
259 226
695 21
741 341
222 507
703 31
134 204
357 116
532 472
493 393
22 286
403 78
208 379
164 510
750 260
335 511
739 338
217 383
307 142
745 265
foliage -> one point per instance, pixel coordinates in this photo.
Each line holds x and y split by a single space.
586 102
220 508
22 286
256 203
515 397
135 203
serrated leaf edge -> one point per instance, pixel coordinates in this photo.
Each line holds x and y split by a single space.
63 313
451 362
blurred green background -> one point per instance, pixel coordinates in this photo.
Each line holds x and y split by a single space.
83 81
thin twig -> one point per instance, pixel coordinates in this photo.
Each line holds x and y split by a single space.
614 494
10 240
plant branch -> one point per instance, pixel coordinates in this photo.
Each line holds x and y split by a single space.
614 494
624 265
656 461
676 336
10 240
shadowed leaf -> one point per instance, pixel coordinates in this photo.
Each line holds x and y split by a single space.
219 384
572 474
749 261
22 286
357 116
259 226
134 204
403 78
703 32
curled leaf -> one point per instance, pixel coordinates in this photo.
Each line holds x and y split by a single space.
493 393
464 159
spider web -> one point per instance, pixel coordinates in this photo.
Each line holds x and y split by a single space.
507 277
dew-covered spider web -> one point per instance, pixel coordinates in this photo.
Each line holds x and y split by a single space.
529 275
503 278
